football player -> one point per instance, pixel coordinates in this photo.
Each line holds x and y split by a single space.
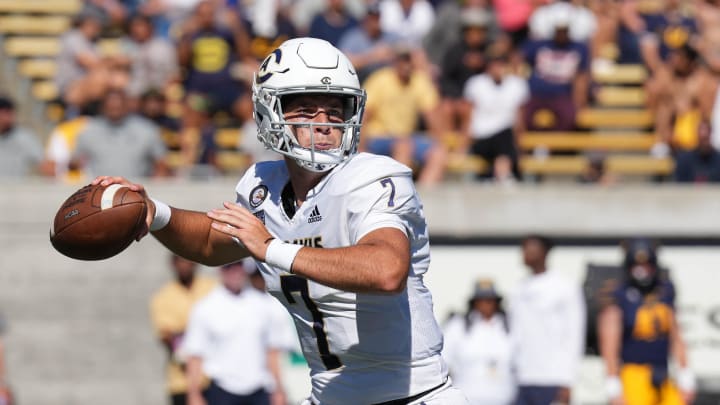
638 332
340 236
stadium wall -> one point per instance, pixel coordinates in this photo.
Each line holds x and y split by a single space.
79 331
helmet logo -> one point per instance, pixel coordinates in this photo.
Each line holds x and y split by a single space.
263 74
325 80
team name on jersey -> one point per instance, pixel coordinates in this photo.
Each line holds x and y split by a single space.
313 241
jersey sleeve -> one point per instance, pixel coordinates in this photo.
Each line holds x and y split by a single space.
389 202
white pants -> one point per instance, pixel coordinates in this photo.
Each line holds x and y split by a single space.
445 395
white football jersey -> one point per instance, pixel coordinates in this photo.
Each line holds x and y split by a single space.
361 348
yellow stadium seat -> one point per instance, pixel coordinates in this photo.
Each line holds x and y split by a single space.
38 68
639 165
228 138
582 141
556 165
68 7
612 96
231 161
32 46
29 25
619 74
614 118
45 91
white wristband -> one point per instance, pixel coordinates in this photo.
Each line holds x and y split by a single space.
685 380
162 215
613 387
281 255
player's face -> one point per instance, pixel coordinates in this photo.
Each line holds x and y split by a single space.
317 110
486 306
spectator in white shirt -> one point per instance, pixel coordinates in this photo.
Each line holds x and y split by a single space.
494 103
547 323
233 338
478 350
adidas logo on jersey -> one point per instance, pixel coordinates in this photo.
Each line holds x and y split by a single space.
315 216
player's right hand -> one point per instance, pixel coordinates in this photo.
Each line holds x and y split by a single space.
108 180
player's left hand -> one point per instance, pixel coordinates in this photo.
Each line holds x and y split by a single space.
236 221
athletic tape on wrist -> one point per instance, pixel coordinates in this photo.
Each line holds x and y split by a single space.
162 215
281 255
613 387
685 379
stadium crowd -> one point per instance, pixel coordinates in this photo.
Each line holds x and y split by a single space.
445 79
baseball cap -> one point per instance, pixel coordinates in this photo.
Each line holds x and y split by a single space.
485 289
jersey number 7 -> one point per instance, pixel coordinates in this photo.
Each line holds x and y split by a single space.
295 284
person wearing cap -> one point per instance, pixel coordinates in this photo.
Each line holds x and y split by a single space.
21 152
170 309
478 349
232 338
547 323
638 333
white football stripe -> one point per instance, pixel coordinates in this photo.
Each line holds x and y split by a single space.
106 201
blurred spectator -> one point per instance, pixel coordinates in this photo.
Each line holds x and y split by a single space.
582 21
167 15
270 27
478 350
604 41
232 339
332 22
559 80
495 123
444 36
153 59
83 74
707 17
367 45
638 331
648 37
112 12
674 99
60 148
197 136
398 96
153 106
21 152
208 51
701 165
170 308
411 20
464 59
547 322
119 143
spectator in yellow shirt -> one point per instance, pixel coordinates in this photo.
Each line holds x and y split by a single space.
399 96
169 311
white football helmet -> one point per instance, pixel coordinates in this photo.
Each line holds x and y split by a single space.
307 66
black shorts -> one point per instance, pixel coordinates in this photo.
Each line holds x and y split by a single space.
502 143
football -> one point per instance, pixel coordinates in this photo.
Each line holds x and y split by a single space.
98 222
